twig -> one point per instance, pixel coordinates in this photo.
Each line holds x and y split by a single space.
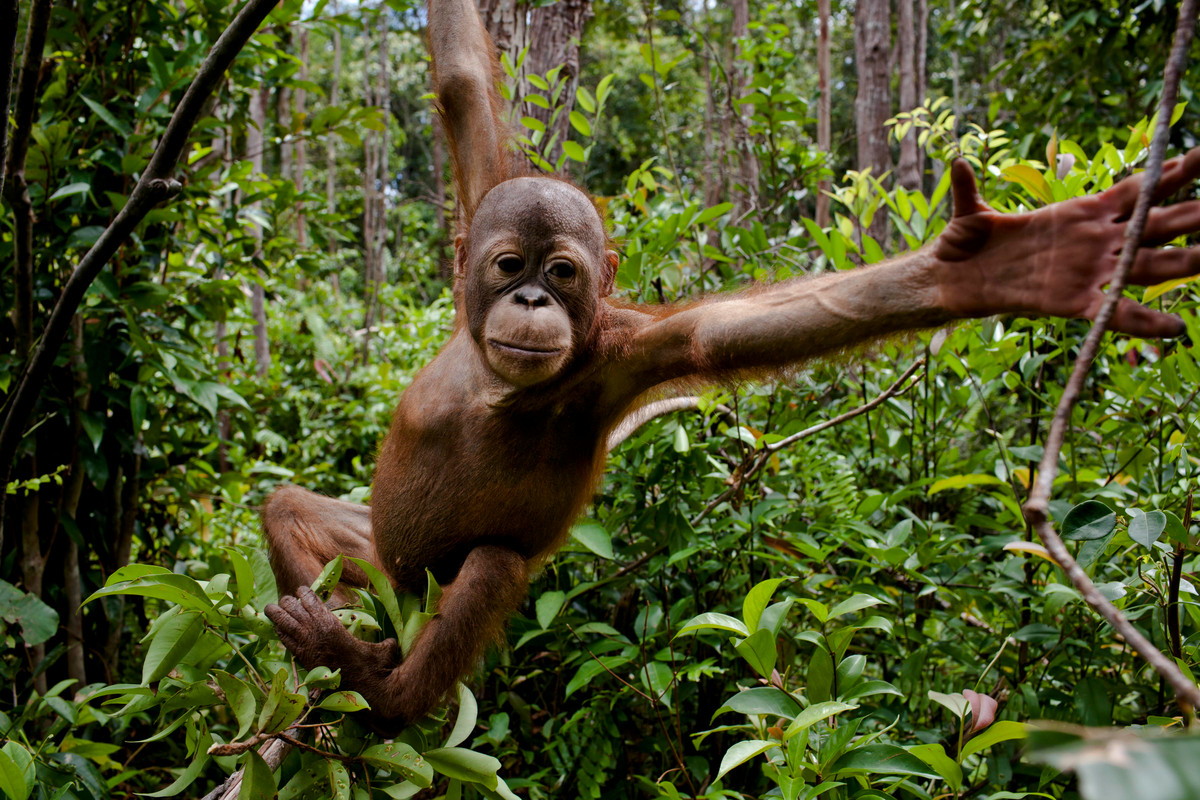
659 408
1037 509
155 186
762 456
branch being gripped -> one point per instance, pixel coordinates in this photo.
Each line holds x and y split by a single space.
155 186
1037 508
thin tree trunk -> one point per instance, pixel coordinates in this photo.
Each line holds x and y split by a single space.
555 31
258 301
714 159
955 96
370 206
921 41
223 144
824 109
9 16
907 174
330 146
72 577
301 164
746 195
873 103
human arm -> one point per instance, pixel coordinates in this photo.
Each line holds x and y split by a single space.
1049 262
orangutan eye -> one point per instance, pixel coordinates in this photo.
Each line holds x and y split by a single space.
562 270
510 265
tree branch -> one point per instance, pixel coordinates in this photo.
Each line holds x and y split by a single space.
1037 509
659 408
155 186
9 13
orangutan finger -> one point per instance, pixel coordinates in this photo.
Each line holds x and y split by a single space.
1165 224
1136 320
1177 173
1155 266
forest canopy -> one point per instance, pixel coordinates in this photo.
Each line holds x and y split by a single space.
227 243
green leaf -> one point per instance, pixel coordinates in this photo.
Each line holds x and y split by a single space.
38 621
594 537
761 700
172 641
956 703
400 758
881 759
1146 528
819 681
712 213
468 716
328 580
258 781
712 619
240 698
282 707
344 700
759 651
179 589
756 601
534 124
71 189
548 606
1088 520
853 603
106 115
16 771
590 669
658 678
814 714
464 765
1032 180
962 481
574 151
742 752
194 770
580 123
382 586
935 756
1001 731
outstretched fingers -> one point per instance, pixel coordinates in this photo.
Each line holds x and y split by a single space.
1135 319
1155 266
1177 173
1165 224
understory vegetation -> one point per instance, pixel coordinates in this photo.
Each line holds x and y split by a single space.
749 607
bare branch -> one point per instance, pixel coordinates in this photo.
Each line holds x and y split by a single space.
1037 509
156 185
659 408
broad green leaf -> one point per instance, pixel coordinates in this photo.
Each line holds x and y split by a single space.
963 481
742 752
854 603
548 606
194 770
281 707
382 587
594 537
759 651
756 601
1032 180
339 780
240 699
657 678
464 765
590 669
580 123
819 680
881 759
1146 528
70 189
997 732
343 700
955 702
400 758
171 642
574 151
761 700
109 118
935 756
258 781
16 771
327 581
712 619
815 713
179 589
1088 520
468 716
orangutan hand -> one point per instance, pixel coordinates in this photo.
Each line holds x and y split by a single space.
1056 261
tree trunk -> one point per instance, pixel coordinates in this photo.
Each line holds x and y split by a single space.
714 158
745 198
921 40
330 146
371 152
301 163
9 15
507 23
72 577
907 170
555 32
873 103
955 97
824 109
258 301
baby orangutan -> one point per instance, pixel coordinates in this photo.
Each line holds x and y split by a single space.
498 443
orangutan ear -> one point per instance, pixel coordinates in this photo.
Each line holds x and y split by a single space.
460 256
609 275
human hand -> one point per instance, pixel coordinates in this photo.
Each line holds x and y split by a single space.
1056 261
